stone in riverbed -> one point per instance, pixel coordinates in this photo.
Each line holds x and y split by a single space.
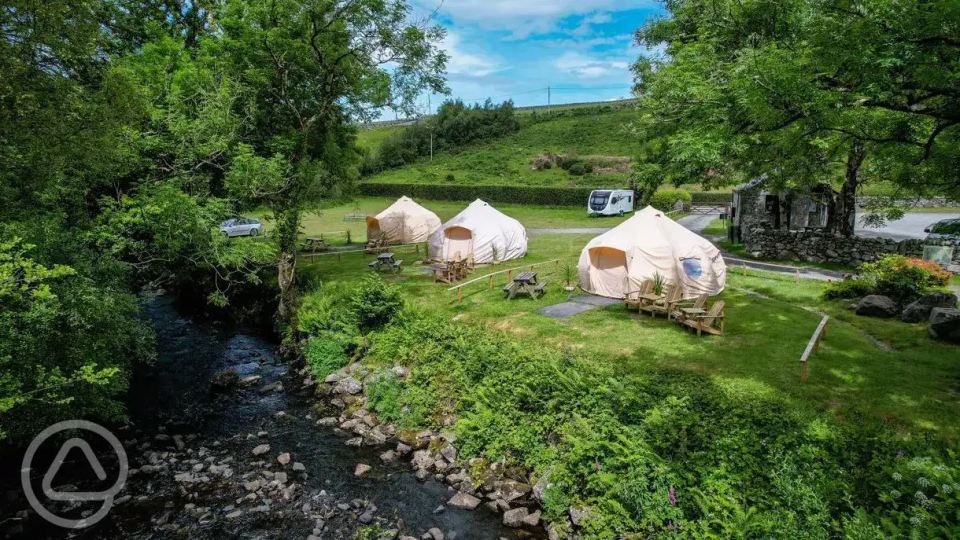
261 449
532 520
299 467
449 453
464 500
403 449
514 518
436 534
361 469
348 385
283 458
356 442
388 456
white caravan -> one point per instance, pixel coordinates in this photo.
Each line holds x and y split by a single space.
610 202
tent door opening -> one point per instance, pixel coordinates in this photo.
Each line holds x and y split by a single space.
458 243
608 271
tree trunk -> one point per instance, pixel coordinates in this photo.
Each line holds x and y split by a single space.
288 224
847 201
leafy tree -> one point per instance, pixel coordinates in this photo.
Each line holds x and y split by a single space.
307 68
804 91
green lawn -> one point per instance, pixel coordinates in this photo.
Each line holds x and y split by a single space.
332 219
506 161
886 369
372 137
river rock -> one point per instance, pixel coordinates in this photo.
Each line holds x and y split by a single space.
355 442
919 310
299 467
436 534
876 305
280 477
532 520
514 518
235 514
511 490
361 469
449 453
348 385
422 459
464 500
945 324
261 449
224 381
577 515
403 449
388 456
283 458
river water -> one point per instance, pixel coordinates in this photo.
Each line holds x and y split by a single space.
178 425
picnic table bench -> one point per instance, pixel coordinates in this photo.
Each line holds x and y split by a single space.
525 283
314 244
386 261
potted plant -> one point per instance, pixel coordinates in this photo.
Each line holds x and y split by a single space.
569 276
495 258
658 283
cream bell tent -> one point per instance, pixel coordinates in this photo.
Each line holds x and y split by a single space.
479 230
621 259
403 222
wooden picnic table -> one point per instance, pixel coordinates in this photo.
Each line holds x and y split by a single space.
386 261
526 283
314 244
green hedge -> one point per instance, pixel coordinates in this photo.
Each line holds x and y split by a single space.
547 196
711 197
664 199
541 195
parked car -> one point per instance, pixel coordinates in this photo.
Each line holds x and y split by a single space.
610 202
241 227
946 229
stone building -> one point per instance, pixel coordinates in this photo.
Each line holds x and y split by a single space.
756 206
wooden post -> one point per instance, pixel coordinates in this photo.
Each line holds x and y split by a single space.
812 346
460 295
338 257
348 238
743 269
798 276
490 280
509 274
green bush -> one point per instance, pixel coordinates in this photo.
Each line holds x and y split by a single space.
850 288
898 277
664 199
325 354
547 196
577 169
375 302
711 197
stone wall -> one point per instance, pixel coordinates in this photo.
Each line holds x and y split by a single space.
933 202
823 247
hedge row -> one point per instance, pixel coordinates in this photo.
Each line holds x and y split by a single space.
547 196
711 197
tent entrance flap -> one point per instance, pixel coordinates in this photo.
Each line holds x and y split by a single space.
608 271
373 227
458 244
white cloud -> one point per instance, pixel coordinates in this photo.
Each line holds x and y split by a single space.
587 67
527 17
461 62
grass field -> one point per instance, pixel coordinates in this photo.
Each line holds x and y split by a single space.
888 370
507 160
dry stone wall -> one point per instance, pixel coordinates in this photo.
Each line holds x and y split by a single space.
768 243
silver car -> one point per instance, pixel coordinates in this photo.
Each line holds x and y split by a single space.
241 227
947 229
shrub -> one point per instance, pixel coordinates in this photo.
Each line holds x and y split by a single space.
578 169
328 309
903 279
375 302
665 199
325 354
850 288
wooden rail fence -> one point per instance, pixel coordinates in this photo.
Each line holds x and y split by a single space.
489 277
813 346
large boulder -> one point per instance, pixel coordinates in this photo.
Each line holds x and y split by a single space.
945 324
919 310
877 305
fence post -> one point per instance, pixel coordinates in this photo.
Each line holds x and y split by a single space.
509 274
743 269
460 295
348 238
490 280
798 276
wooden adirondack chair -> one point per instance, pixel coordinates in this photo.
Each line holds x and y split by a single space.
664 305
707 323
633 299
686 308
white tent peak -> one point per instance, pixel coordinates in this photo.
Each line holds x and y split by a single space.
480 230
649 243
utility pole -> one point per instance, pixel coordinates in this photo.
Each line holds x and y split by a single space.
429 112
548 99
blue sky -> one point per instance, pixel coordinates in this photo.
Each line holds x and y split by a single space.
504 49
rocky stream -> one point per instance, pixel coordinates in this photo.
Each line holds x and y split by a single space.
225 440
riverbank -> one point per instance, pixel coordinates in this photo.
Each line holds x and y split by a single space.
213 455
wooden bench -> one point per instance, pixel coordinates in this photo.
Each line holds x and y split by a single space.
539 288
